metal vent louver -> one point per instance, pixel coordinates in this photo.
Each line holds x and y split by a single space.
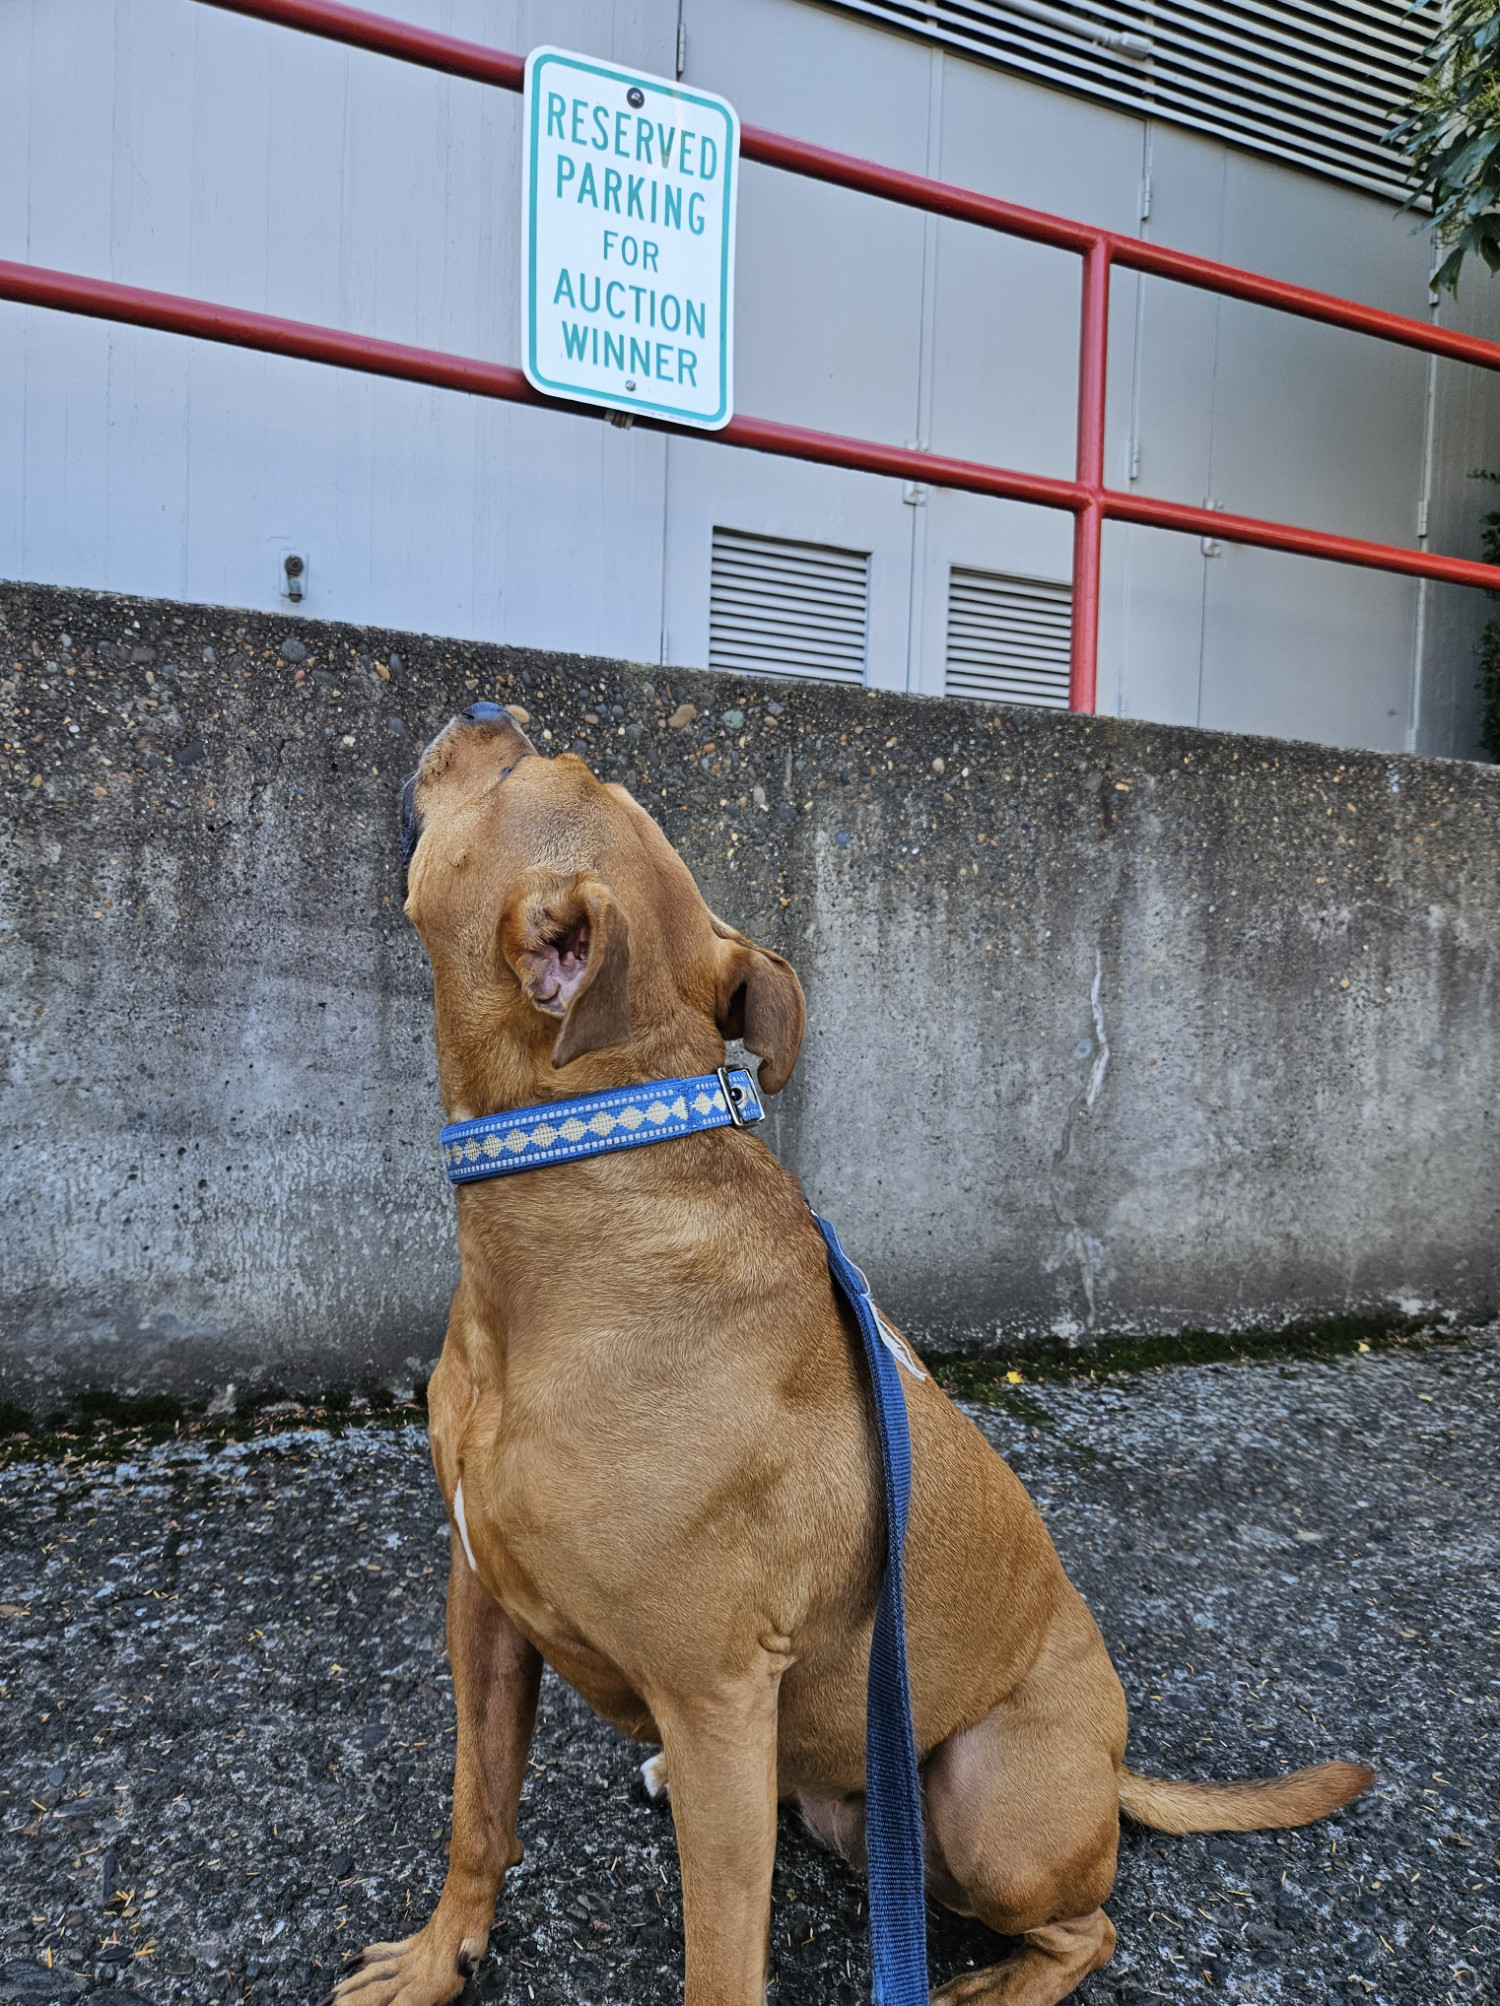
1317 83
1008 639
787 609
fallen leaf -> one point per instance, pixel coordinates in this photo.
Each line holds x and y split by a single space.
684 714
1014 1378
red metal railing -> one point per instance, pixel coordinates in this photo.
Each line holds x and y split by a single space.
1085 497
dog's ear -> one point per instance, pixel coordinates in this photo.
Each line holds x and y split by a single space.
760 1000
567 942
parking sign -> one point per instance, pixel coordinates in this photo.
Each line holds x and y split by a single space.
628 194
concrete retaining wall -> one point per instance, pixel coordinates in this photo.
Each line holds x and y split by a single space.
1113 1027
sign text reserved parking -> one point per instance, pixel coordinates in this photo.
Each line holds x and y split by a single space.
628 240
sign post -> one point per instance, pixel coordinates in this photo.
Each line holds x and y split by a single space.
627 273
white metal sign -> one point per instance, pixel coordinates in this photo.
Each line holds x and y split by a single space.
627 258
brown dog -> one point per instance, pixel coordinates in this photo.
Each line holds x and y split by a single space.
652 1428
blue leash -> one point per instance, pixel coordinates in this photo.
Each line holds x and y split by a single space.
499 1145
893 1793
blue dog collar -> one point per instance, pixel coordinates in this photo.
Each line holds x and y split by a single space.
496 1145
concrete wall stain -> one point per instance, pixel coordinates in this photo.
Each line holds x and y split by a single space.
1115 1029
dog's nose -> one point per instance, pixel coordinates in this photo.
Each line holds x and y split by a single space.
493 716
495 726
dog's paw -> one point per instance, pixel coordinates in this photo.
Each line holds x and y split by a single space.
420 1970
654 1775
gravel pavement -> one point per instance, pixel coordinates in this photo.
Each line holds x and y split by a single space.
228 1722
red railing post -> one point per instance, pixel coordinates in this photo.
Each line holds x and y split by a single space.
1088 522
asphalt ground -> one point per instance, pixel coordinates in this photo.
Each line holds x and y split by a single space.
229 1728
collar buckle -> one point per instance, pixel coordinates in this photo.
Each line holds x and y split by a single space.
732 1097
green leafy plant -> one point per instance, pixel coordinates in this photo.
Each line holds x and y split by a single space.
1451 134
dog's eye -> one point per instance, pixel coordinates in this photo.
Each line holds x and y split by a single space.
411 829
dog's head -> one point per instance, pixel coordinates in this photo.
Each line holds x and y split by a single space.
567 935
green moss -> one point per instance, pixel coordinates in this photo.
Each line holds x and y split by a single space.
1328 1337
150 1410
108 1444
379 1396
113 1430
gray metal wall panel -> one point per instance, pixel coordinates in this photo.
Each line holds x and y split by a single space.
828 309
1327 646
829 292
1272 416
177 147
802 71
1005 352
1037 146
1004 326
1150 624
707 485
1151 613
981 535
1314 425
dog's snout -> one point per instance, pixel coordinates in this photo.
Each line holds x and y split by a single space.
463 753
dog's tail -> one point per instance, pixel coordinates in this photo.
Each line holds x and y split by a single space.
1267 1803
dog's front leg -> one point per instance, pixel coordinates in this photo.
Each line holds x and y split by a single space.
496 1674
721 1752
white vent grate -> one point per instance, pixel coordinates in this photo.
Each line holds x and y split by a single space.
1317 83
787 609
1008 639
